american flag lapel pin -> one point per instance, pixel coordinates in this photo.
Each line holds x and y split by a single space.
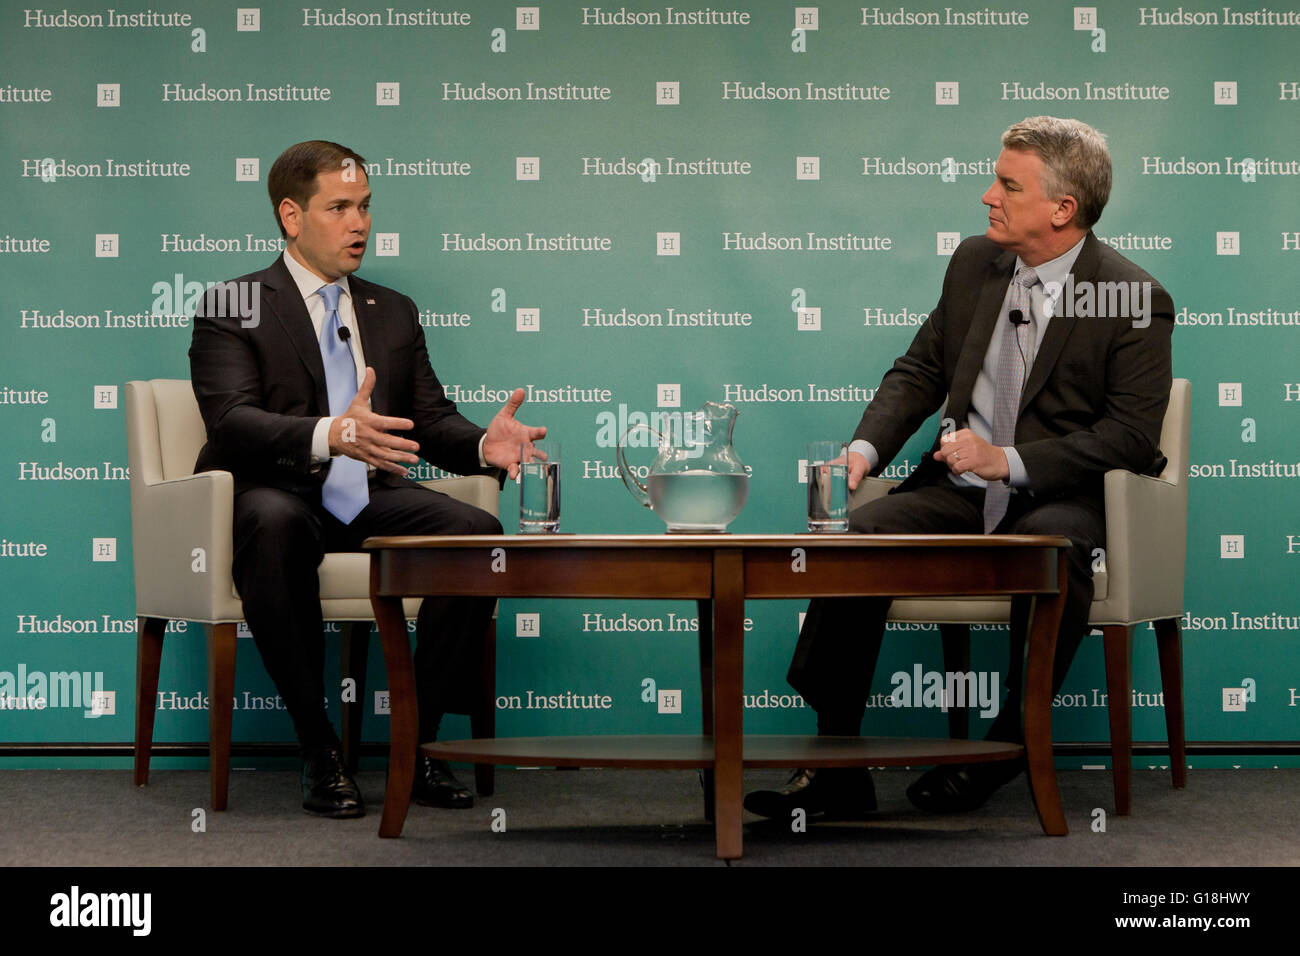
370 301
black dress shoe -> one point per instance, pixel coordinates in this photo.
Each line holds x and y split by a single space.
956 788
327 788
436 787
838 793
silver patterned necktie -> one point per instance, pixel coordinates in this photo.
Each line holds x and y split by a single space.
345 492
1012 370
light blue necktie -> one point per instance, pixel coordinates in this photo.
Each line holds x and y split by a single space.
1012 369
345 492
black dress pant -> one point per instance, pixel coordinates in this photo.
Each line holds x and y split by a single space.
280 539
835 658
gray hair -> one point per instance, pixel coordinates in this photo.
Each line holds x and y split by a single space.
1075 159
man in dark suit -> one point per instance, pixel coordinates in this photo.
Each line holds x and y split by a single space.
1044 395
316 399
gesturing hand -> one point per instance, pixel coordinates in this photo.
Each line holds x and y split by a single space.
505 435
361 434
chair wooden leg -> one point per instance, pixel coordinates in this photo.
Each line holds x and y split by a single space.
483 722
1118 639
148 660
221 705
354 650
1169 644
956 660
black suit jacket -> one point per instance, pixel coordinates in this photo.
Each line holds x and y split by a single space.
1096 394
260 383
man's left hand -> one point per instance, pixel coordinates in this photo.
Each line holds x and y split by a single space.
964 451
505 436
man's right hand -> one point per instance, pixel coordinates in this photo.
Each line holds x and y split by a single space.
858 468
361 434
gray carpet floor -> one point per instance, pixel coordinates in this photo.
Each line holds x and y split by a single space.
634 818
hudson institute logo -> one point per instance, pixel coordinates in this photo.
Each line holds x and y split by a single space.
796 394
882 317
63 319
947 17
559 395
558 700
248 93
44 19
1245 168
648 169
530 92
389 17
665 17
1223 16
50 170
804 242
811 92
17 94
1114 93
670 318
528 242
12 244
947 169
1234 318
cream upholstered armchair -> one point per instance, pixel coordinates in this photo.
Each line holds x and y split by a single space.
174 514
1146 554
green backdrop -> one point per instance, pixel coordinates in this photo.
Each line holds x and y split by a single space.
134 154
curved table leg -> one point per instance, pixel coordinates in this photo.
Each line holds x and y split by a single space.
728 703
403 720
1044 622
706 694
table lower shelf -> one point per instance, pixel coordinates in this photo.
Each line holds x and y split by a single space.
683 752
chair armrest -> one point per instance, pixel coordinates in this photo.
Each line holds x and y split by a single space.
478 490
1146 545
869 489
170 520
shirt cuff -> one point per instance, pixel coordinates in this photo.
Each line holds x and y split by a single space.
320 441
1018 477
482 462
868 451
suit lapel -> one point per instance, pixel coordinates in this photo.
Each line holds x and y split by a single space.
373 341
993 289
282 295
1059 329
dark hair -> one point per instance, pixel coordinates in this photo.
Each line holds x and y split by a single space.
294 174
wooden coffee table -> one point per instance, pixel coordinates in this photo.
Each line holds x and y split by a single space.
719 571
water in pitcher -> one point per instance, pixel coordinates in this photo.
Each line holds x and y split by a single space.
698 500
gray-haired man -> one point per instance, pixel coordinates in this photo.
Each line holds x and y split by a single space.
1047 398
